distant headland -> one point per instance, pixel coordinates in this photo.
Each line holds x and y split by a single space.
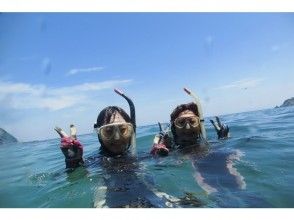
286 103
6 138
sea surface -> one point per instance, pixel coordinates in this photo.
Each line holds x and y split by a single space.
253 168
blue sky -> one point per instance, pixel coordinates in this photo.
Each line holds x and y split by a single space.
57 69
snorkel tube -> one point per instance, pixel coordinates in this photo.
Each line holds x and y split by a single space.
131 105
132 114
197 102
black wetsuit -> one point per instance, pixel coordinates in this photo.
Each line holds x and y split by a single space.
125 186
124 182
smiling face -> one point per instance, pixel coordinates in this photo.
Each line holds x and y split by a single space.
119 134
187 128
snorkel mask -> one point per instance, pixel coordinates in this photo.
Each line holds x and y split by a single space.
116 131
201 119
187 122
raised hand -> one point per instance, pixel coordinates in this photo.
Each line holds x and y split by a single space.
161 143
222 130
71 147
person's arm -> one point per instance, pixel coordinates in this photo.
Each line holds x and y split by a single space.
161 143
71 148
222 130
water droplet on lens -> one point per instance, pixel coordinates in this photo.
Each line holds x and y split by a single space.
42 25
46 66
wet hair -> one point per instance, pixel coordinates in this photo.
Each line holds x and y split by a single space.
177 111
104 118
105 115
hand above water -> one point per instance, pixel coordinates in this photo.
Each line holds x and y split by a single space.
222 130
161 143
71 147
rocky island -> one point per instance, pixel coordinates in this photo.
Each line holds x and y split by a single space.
288 102
6 138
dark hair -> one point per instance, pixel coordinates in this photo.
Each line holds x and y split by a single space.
178 110
104 118
106 114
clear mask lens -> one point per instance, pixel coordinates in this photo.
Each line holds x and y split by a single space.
182 121
124 130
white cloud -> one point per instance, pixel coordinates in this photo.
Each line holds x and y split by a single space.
27 96
84 70
242 84
15 88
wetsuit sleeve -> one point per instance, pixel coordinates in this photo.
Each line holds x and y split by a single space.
73 152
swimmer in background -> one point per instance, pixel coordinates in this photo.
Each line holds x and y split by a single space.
186 129
186 134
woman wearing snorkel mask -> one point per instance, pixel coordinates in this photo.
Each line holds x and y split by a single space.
116 129
213 166
186 129
116 132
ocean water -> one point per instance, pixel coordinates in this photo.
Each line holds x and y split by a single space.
254 168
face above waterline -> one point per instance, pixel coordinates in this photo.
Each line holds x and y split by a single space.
117 144
187 135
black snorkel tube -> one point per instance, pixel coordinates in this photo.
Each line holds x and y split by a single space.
132 107
133 118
